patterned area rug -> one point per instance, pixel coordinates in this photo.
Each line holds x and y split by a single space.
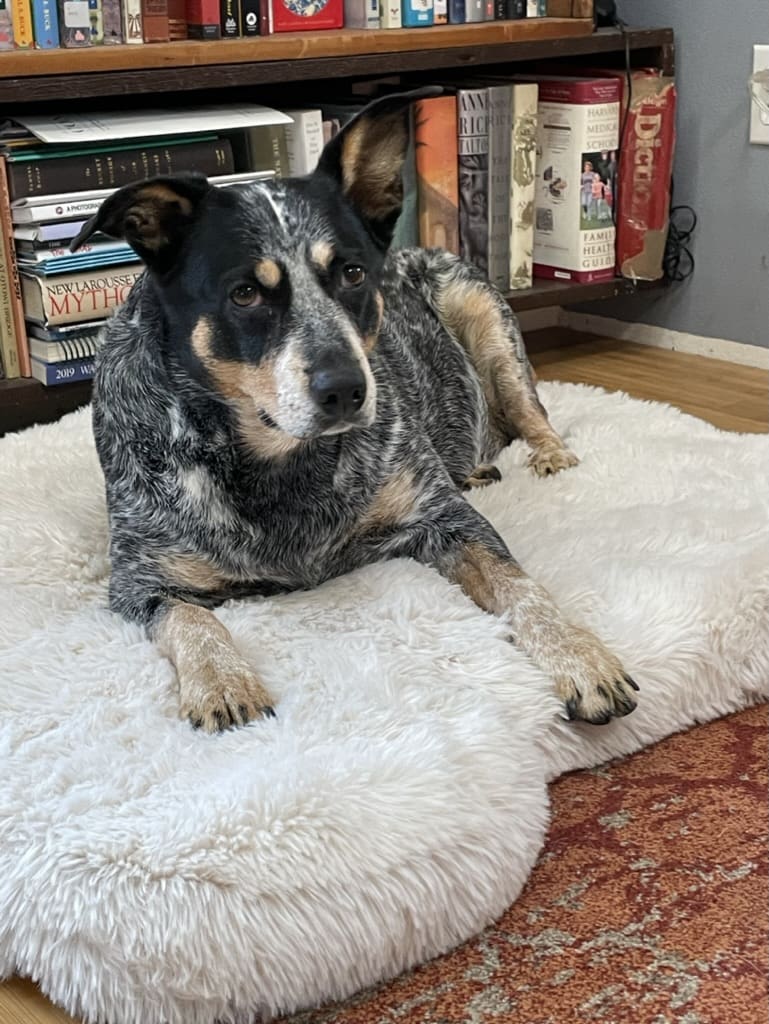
648 904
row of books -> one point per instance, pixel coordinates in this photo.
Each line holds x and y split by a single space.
523 177
48 24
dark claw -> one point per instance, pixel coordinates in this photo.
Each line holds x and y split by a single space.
625 706
268 712
600 719
197 723
492 473
603 691
571 709
631 683
222 722
243 712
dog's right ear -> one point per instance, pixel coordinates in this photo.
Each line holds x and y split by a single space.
152 216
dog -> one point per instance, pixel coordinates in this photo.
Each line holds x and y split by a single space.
281 401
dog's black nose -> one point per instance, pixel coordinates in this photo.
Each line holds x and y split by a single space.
339 393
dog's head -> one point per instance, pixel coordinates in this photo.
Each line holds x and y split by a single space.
271 291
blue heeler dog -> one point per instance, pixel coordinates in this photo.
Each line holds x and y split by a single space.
281 401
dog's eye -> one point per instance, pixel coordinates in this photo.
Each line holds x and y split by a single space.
353 275
246 295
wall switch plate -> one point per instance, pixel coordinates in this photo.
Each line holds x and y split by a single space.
759 119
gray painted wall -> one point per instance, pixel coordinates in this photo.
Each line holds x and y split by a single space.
717 172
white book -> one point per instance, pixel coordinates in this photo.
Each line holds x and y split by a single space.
361 14
390 14
304 140
523 183
131 11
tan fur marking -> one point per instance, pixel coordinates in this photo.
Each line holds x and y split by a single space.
217 688
249 388
165 195
192 571
321 254
395 500
470 313
372 157
370 339
588 677
267 273
150 207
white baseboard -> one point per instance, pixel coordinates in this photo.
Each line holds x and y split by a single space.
662 337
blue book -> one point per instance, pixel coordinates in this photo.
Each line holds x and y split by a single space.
416 13
45 21
456 12
51 374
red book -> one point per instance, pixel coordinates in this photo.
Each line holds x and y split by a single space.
203 19
435 137
306 15
155 21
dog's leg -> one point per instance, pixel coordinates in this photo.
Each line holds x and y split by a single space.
217 688
464 547
479 318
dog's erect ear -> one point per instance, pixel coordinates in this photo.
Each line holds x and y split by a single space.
366 159
152 216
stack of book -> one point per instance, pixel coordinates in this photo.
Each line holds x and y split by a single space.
51 299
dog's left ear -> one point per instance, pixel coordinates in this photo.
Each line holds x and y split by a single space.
366 159
152 216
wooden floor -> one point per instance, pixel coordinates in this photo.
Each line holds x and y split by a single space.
732 397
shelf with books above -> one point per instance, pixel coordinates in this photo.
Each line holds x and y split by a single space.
33 76
24 402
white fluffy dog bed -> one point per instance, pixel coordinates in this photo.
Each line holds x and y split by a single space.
150 874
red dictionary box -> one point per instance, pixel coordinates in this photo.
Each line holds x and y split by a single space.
306 15
645 169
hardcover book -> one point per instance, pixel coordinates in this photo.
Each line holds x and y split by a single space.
304 141
500 115
390 13
21 19
203 19
229 19
177 19
45 19
416 13
577 132
112 22
249 17
74 23
50 374
473 169
406 232
77 298
98 169
435 137
6 26
306 15
132 21
522 183
155 21
361 14
96 22
11 273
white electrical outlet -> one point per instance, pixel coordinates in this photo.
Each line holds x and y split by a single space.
759 118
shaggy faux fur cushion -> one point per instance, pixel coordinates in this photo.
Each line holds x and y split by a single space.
150 874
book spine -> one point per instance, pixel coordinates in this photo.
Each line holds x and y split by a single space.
77 298
456 12
361 14
132 21
574 233
51 374
390 14
304 142
249 17
473 169
21 19
112 22
516 9
229 19
96 19
406 233
74 23
203 19
77 347
8 343
541 8
45 18
440 12
177 20
531 9
111 170
435 137
12 270
500 119
416 13
475 10
523 139
6 26
155 21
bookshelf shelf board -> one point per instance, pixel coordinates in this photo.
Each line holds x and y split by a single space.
24 402
32 76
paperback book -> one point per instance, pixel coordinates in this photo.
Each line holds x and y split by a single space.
76 298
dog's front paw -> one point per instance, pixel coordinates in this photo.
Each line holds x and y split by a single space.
482 476
221 691
550 458
592 682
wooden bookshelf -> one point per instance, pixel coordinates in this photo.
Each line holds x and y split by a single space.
269 69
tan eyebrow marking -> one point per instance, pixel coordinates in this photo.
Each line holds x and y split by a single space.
267 273
322 253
